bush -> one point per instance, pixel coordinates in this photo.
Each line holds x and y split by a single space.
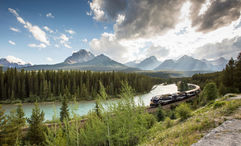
160 114
183 111
168 122
219 104
209 93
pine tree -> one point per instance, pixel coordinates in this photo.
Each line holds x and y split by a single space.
64 113
36 127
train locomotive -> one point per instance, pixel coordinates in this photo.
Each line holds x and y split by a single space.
171 98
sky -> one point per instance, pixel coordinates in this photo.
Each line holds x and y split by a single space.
47 32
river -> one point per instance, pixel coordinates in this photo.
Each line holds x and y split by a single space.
83 107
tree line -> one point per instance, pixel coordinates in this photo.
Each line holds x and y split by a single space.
50 85
227 81
123 123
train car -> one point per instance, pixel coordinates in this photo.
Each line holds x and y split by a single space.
171 98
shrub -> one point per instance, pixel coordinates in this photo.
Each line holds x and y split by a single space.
183 111
160 114
168 122
219 104
210 92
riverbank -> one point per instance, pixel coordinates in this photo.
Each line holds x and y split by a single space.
57 99
83 107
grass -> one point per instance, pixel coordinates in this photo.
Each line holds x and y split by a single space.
191 130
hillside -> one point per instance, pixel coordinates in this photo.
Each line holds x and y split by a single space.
187 132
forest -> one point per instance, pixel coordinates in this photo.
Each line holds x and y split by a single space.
45 85
126 123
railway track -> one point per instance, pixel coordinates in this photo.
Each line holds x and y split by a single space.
166 101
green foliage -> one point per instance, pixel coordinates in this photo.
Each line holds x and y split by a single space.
36 128
160 114
29 86
218 104
209 93
183 86
3 123
168 122
64 110
121 123
183 111
227 81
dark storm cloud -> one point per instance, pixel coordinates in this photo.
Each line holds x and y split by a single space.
219 14
149 17
114 7
144 18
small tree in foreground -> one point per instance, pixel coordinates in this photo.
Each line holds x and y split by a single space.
160 114
64 113
36 126
183 111
209 93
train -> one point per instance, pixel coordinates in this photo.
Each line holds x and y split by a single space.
171 98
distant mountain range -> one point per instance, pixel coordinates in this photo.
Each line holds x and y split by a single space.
147 64
187 63
12 62
85 60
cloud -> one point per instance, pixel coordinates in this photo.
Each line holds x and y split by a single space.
70 31
138 18
13 59
14 29
49 15
157 51
48 29
219 13
89 13
170 27
85 40
37 33
14 12
40 46
107 9
145 18
227 48
11 42
49 59
64 40
105 27
120 50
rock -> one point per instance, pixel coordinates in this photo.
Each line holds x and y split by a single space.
227 134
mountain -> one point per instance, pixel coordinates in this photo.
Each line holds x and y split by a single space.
13 62
99 63
219 63
147 64
79 57
166 65
83 60
186 63
132 63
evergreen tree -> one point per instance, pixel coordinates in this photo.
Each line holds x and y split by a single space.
16 122
36 128
160 114
64 113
